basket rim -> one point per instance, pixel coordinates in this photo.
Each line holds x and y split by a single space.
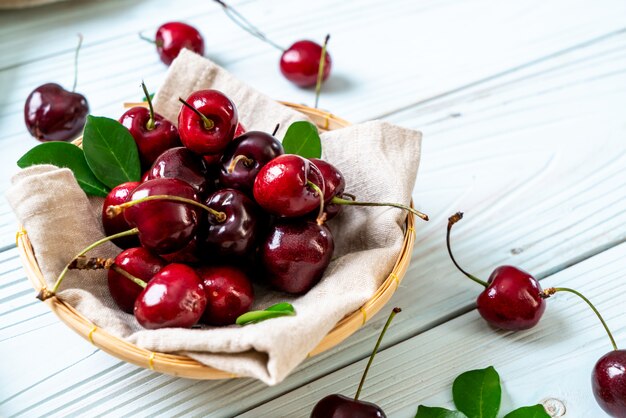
183 366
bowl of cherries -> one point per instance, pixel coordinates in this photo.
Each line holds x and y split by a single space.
212 213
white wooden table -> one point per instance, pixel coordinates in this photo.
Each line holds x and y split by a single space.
522 106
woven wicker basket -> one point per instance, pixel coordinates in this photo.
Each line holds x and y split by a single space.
184 366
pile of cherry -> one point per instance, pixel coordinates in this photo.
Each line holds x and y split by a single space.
217 209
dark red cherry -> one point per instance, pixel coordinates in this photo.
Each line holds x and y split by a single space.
512 299
164 226
138 262
182 164
118 223
151 141
174 298
282 186
209 124
245 156
608 381
236 236
300 63
340 406
172 37
295 254
334 185
229 294
52 113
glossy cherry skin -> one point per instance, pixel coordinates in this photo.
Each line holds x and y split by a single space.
174 298
52 113
150 142
300 63
608 381
295 254
180 163
164 226
512 299
281 186
118 195
229 294
172 37
235 237
334 185
339 406
260 147
220 110
138 262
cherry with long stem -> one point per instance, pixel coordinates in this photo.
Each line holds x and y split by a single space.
339 201
115 210
320 72
246 25
208 123
44 293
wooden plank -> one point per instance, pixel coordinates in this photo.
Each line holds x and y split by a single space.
551 361
546 115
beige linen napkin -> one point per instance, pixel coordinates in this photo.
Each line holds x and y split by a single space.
379 161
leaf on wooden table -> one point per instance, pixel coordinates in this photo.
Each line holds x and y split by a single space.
436 412
477 393
303 139
535 411
111 151
64 154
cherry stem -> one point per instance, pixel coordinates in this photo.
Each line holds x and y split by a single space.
451 221
90 263
246 25
246 162
552 290
129 276
152 41
80 42
320 72
150 125
208 123
115 210
340 201
44 293
276 129
321 216
380 338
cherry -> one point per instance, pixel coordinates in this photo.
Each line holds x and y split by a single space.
152 133
137 262
172 37
229 294
245 156
340 406
207 122
286 186
236 235
301 61
174 297
118 195
609 383
182 164
164 226
295 254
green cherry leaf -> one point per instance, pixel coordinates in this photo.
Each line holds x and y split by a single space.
64 154
435 412
477 393
303 139
111 151
535 411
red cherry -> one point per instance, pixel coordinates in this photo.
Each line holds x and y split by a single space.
151 141
118 223
138 262
340 406
172 37
300 63
207 122
608 381
512 300
173 298
229 294
282 186
52 113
